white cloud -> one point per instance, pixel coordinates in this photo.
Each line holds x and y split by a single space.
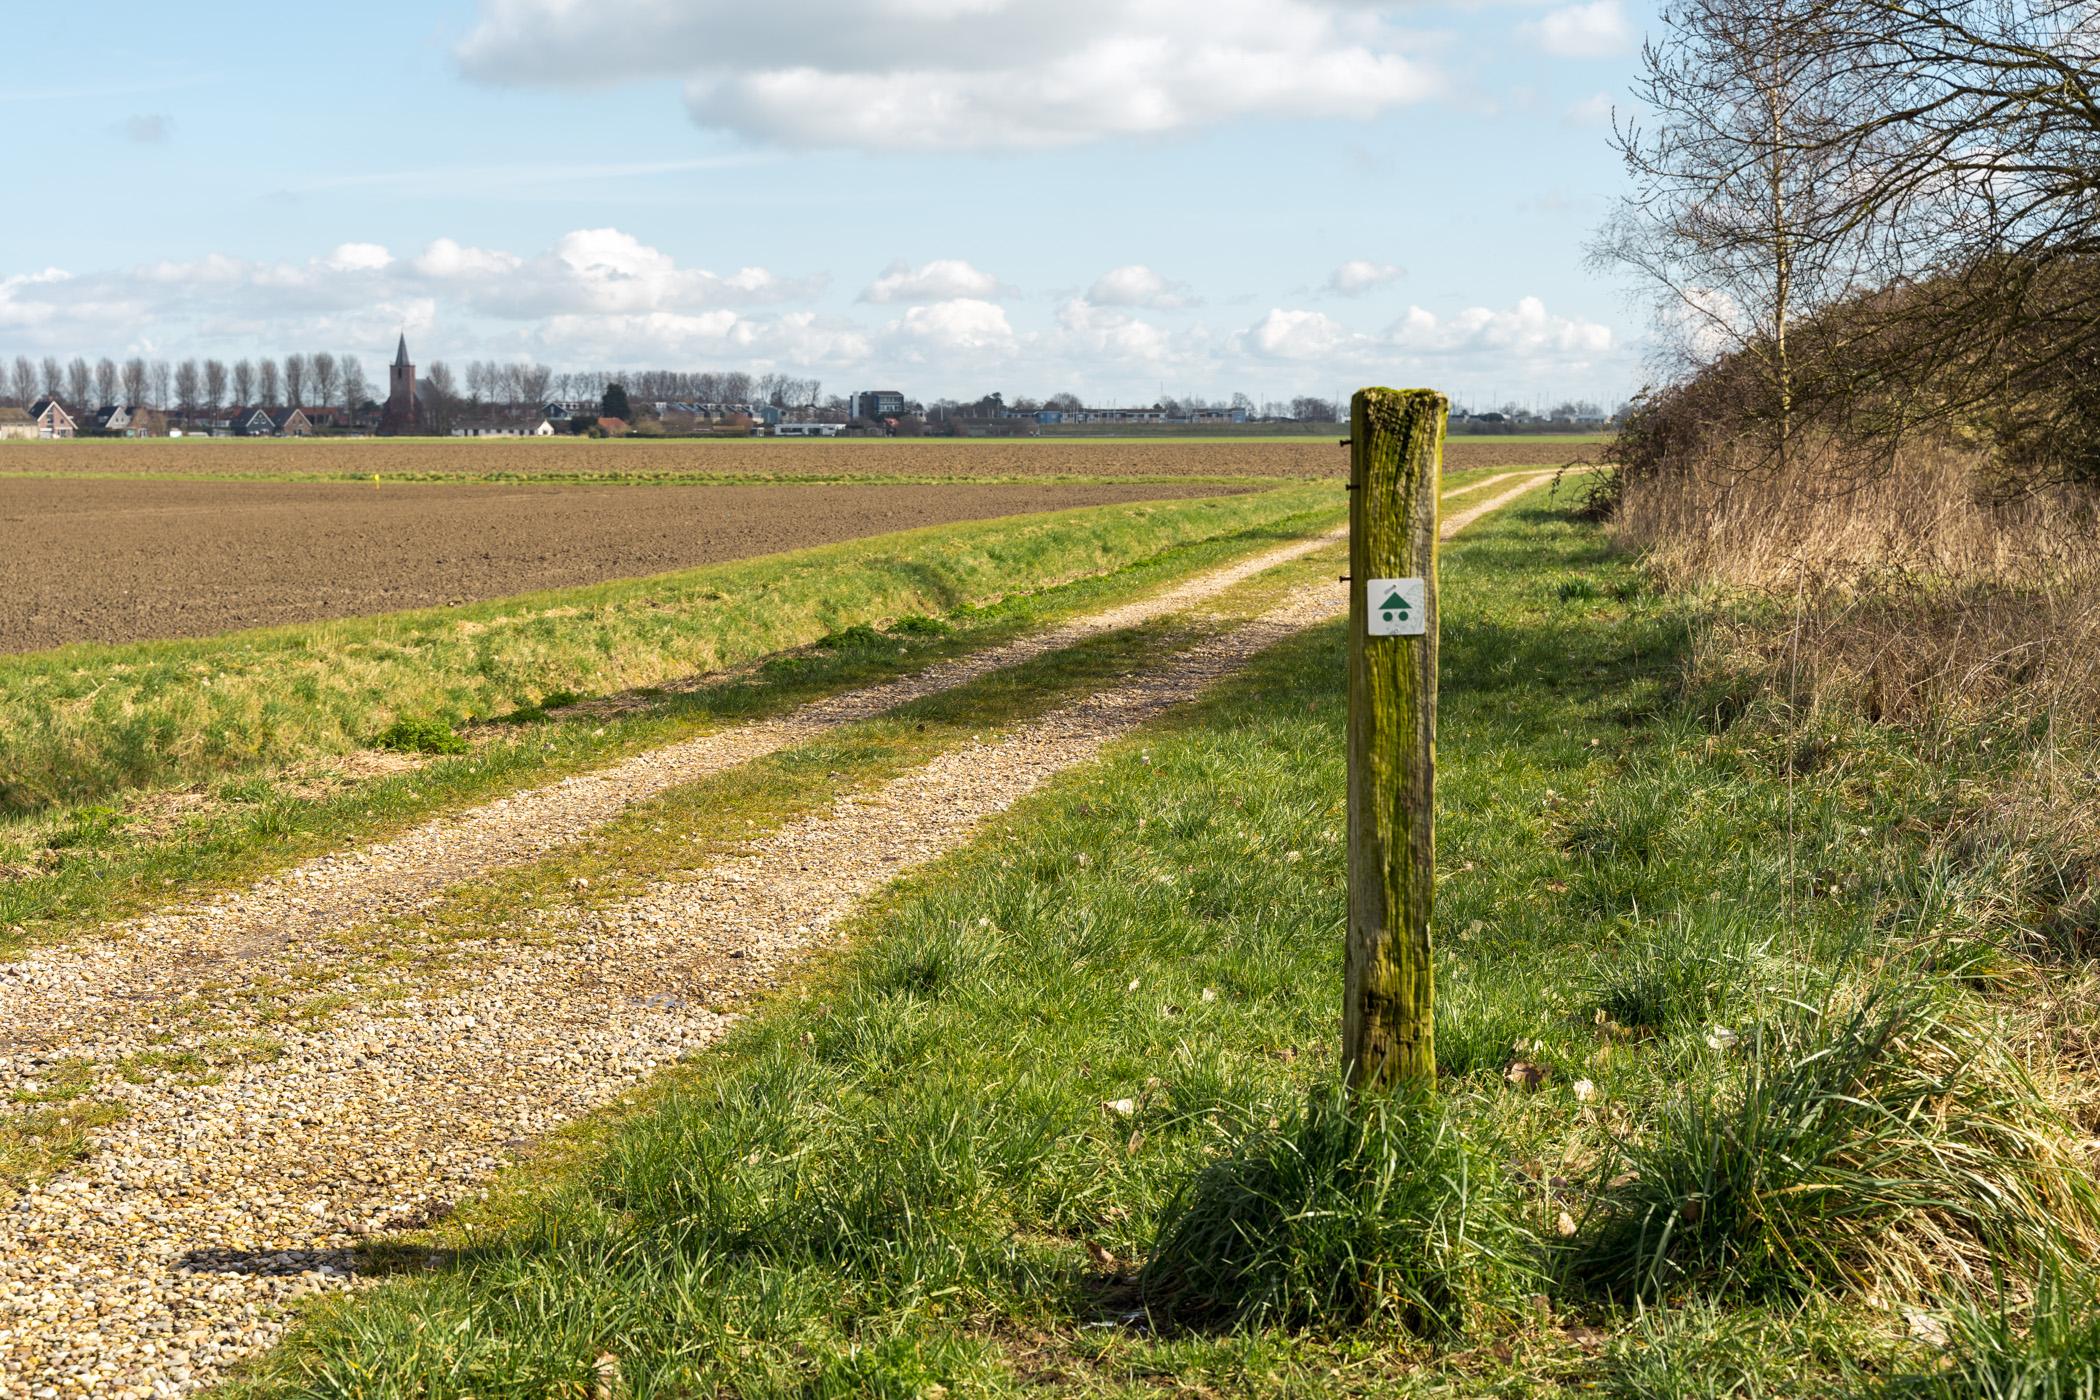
1359 275
1304 335
1598 29
1138 285
1526 339
968 74
962 324
358 257
940 280
1096 335
605 297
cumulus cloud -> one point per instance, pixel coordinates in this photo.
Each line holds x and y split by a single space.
893 75
940 280
960 324
358 257
1138 285
1360 275
1598 29
605 297
360 288
1525 338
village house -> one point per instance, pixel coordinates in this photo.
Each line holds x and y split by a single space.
130 420
16 423
291 422
250 422
51 419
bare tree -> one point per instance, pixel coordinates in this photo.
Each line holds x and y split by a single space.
295 380
79 381
106 381
243 384
327 377
50 375
268 387
1736 220
214 384
189 387
532 385
160 379
355 390
441 404
134 381
22 384
1907 194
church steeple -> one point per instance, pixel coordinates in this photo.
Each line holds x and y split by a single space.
402 416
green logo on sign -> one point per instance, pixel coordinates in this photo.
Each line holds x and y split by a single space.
1394 607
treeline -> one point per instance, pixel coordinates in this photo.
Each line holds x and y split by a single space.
190 386
1870 224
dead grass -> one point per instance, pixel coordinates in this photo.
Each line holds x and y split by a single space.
1917 596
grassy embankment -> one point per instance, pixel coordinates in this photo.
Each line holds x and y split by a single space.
1715 1031
139 770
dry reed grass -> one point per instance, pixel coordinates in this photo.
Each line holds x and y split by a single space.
1917 595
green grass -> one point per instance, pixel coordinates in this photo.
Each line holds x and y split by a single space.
84 721
72 866
1096 1040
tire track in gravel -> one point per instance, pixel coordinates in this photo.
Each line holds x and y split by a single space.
156 957
48 997
149 1268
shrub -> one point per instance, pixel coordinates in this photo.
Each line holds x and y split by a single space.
1865 1148
1348 1213
411 735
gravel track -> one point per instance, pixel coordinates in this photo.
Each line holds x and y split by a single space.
52 997
167 1254
163 1258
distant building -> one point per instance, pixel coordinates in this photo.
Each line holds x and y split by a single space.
522 425
250 422
808 429
51 418
130 420
401 417
613 427
876 403
16 423
291 422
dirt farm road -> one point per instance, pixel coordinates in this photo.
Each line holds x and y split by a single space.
169 1252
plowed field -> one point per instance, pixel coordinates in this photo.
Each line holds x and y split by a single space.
733 459
101 560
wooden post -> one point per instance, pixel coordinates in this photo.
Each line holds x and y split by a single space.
1396 453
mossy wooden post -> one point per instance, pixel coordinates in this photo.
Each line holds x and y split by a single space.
1396 453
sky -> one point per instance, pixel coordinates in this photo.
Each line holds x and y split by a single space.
1118 198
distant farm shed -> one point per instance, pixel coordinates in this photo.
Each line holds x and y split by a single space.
16 423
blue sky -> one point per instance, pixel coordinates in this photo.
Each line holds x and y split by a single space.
947 196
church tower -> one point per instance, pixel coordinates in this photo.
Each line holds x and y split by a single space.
401 418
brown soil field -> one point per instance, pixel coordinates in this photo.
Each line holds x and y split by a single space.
915 459
112 561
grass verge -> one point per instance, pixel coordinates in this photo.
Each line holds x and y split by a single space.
945 1159
84 721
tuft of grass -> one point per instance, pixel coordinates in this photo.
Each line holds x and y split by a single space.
2046 1349
415 734
1353 1211
1867 1147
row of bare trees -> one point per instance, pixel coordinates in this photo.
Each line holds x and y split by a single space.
1881 216
318 380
